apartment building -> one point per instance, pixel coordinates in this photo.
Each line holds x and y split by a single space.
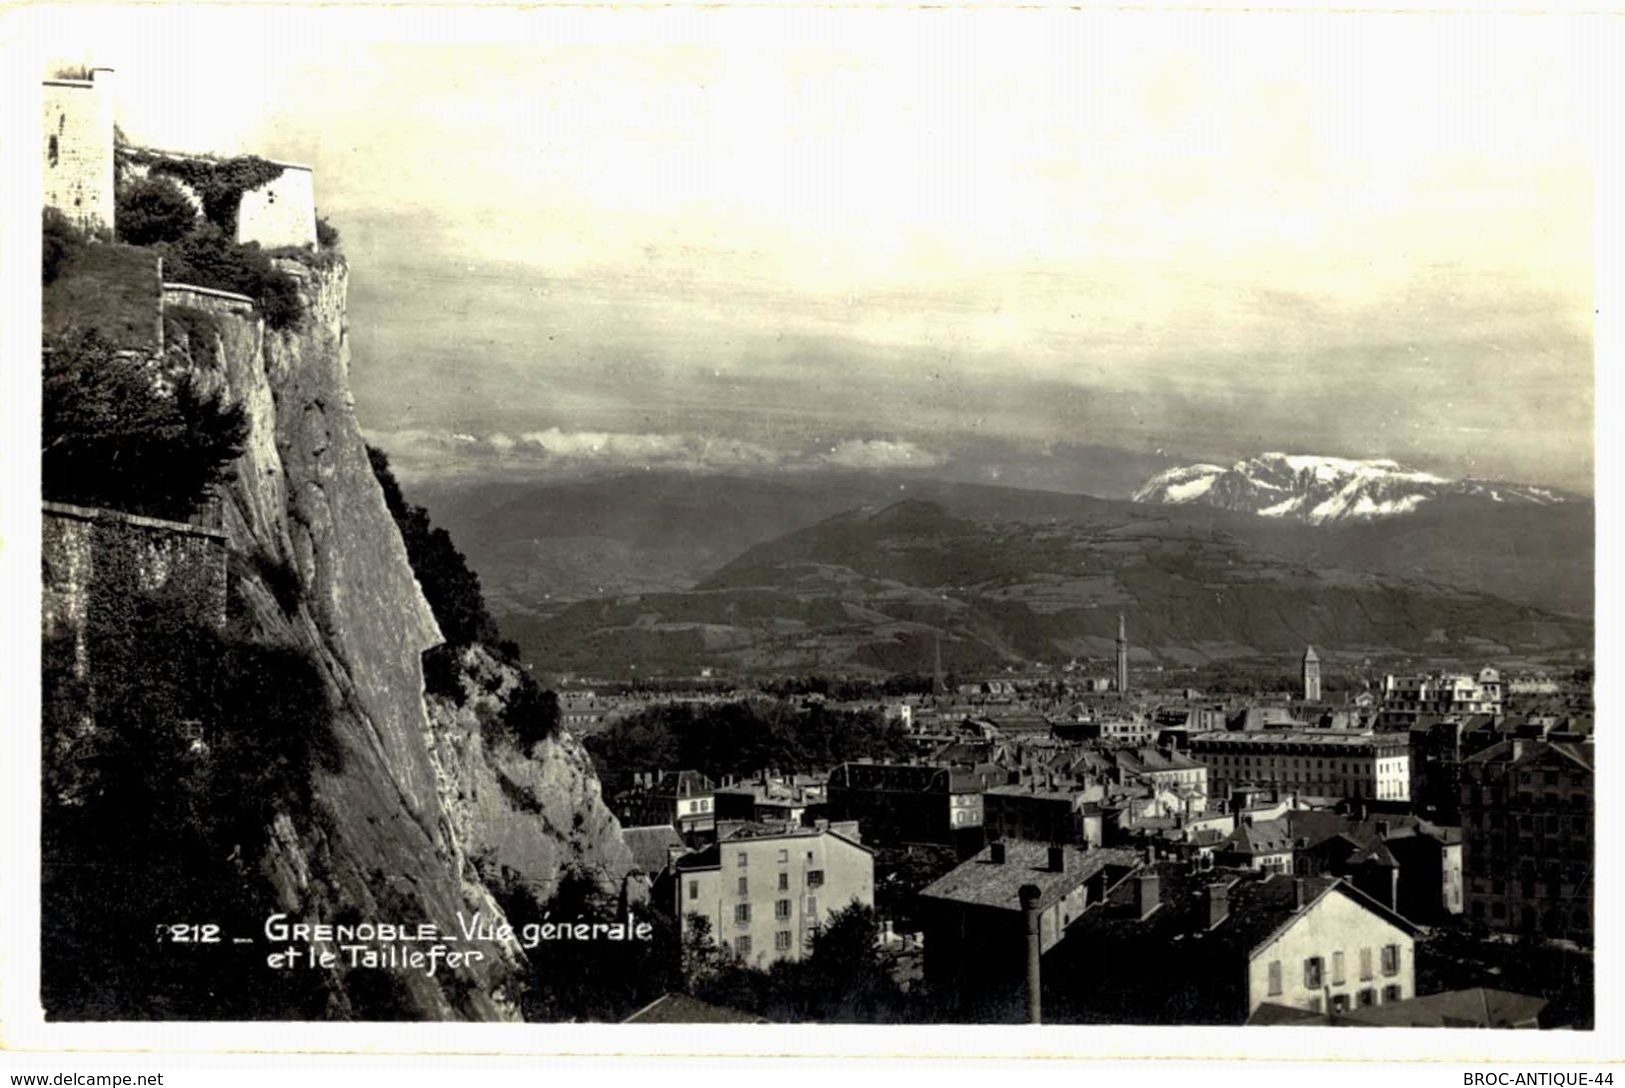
1528 826
913 802
1405 699
766 890
1321 764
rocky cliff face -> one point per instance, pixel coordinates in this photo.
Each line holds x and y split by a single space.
518 816
418 797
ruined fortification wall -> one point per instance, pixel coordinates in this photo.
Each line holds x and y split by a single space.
207 298
282 212
78 151
88 553
81 170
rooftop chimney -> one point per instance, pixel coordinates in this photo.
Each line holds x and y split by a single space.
1218 903
996 853
1029 894
1057 859
1382 829
1299 893
1147 893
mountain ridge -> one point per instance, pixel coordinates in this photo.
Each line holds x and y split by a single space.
1321 489
877 590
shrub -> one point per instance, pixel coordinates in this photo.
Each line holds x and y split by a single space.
153 209
201 740
197 327
219 183
532 715
207 258
112 434
279 300
442 673
450 587
59 238
327 235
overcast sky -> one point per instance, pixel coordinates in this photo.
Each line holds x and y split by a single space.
759 239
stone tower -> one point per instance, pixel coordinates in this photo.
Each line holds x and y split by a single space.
1311 676
78 179
1122 656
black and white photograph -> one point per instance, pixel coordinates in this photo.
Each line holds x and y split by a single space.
724 517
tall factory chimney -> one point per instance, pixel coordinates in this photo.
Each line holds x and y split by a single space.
1122 657
1029 894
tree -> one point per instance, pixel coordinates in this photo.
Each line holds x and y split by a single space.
847 977
532 715
200 741
153 209
901 873
449 585
327 235
117 432
593 980
58 240
702 958
208 257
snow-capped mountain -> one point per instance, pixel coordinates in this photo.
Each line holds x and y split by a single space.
1320 490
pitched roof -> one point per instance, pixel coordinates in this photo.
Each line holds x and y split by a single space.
1320 826
1269 1015
682 1009
682 783
1476 1008
1263 837
1479 1007
982 881
711 856
1067 792
1535 751
1150 759
1259 906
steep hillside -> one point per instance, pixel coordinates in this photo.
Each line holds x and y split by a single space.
415 799
599 573
880 589
394 843
541 546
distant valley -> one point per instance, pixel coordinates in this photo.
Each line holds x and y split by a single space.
873 571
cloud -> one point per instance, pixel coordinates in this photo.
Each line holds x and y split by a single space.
606 445
423 454
555 452
880 453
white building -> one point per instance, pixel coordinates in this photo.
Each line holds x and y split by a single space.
1342 950
1319 764
1406 698
766 891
